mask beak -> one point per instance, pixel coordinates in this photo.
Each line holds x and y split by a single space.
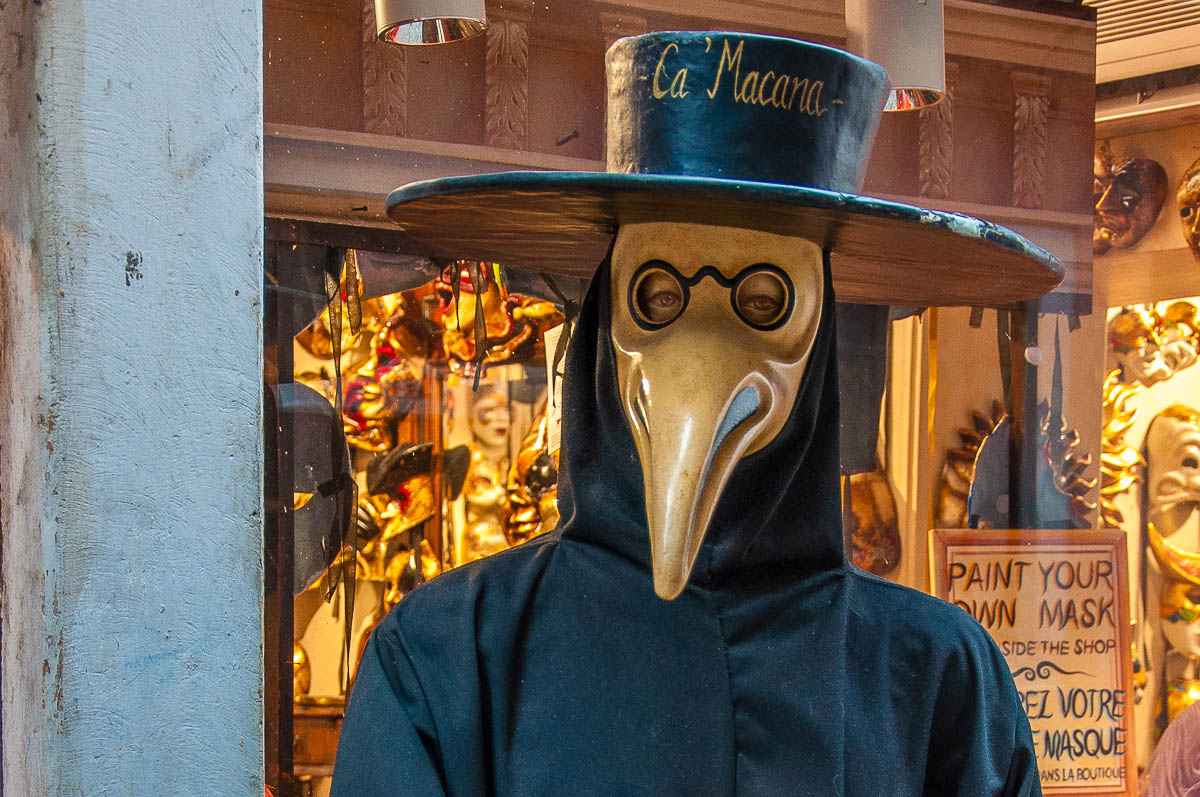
688 451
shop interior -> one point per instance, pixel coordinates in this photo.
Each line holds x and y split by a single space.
414 400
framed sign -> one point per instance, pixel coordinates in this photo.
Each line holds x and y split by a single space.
1057 604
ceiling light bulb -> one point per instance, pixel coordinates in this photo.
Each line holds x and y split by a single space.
429 21
907 38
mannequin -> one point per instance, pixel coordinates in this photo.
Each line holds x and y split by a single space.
692 625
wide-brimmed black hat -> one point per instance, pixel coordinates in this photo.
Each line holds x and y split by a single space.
734 130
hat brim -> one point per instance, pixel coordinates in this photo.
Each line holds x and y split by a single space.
882 252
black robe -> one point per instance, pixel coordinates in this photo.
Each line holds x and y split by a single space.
552 668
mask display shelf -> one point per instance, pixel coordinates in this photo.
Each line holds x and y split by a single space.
1146 269
447 459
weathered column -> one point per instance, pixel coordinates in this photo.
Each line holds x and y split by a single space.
130 369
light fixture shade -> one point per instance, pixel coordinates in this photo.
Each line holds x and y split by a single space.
429 21
907 37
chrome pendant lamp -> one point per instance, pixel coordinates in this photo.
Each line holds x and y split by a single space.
429 21
907 37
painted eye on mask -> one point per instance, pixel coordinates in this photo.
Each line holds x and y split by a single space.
761 294
658 294
761 297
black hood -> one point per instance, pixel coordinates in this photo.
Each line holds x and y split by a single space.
780 512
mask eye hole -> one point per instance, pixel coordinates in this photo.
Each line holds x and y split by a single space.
763 296
658 296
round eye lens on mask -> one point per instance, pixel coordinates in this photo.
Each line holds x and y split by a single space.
762 296
658 294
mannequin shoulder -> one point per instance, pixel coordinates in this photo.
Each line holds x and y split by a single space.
922 620
477 592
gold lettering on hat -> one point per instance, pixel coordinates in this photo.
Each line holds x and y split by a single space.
677 87
748 87
762 86
728 62
790 92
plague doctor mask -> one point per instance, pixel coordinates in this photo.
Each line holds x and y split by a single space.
712 328
731 209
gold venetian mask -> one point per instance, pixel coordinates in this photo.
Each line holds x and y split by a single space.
531 507
513 324
1180 331
1128 194
1188 198
1179 603
712 328
1135 340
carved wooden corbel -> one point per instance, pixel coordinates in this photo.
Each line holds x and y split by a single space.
385 80
506 101
936 142
1031 108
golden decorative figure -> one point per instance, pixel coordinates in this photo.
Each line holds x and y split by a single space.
1179 614
1135 340
513 324
531 507
484 494
1172 496
1188 198
1068 465
405 570
400 498
430 566
872 523
381 365
1149 344
484 490
959 469
1060 449
301 670
381 391
1180 335
317 338
1181 693
1120 463
1128 194
396 512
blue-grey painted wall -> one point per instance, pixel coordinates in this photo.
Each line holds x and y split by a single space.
130 326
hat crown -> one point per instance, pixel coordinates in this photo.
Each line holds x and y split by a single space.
742 107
